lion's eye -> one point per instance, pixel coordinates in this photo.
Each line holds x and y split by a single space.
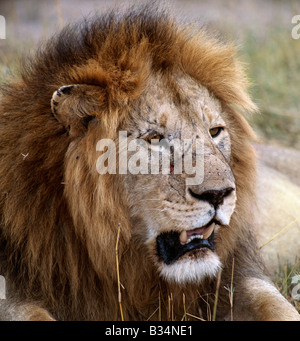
155 136
214 132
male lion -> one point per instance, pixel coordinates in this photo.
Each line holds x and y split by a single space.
79 245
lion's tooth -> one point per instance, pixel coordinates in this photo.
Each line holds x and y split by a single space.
196 236
183 237
208 231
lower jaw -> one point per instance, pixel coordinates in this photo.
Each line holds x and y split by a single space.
193 267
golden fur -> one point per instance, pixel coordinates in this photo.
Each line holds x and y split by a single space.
278 202
60 219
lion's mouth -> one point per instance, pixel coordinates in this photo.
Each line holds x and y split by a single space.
172 245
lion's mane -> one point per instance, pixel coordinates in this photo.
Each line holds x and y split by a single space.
59 222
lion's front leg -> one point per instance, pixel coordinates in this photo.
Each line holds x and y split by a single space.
23 312
258 299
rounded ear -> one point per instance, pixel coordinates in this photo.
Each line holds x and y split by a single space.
75 105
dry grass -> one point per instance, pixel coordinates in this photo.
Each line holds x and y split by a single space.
284 281
286 271
118 273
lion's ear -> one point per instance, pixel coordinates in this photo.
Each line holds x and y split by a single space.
75 105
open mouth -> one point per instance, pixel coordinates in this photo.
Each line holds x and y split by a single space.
172 245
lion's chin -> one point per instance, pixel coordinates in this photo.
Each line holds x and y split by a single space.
193 267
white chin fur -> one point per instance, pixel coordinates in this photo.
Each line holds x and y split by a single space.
187 270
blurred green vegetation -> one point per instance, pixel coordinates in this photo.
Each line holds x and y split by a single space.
274 68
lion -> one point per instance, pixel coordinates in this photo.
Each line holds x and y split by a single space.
278 205
80 245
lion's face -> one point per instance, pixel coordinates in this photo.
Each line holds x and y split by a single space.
177 221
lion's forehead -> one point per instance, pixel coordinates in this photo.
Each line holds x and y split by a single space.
197 108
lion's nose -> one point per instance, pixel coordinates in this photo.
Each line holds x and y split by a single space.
214 197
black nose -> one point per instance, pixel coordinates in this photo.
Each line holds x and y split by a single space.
214 197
